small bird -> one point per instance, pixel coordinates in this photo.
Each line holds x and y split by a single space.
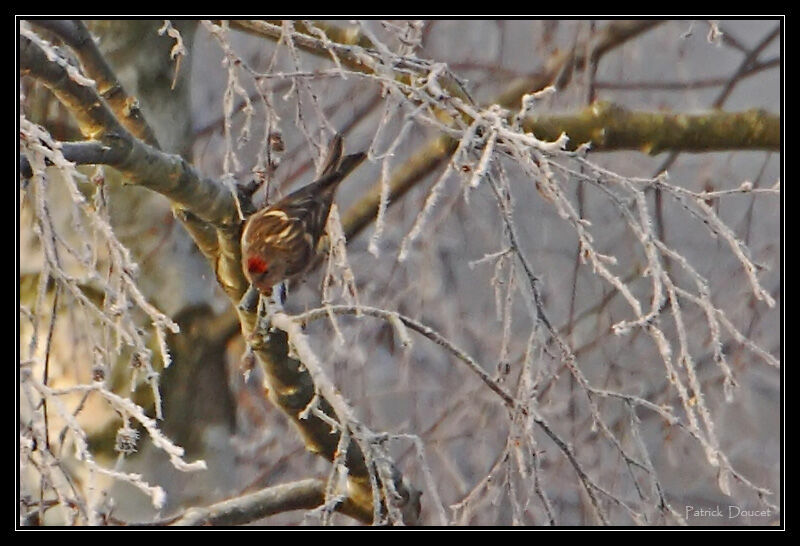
280 242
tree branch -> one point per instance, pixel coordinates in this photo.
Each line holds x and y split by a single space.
610 127
301 495
77 36
167 174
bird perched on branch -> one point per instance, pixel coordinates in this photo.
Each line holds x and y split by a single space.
280 241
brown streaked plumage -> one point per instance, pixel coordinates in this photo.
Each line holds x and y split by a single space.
280 241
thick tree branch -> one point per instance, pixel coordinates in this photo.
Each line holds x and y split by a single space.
80 153
77 36
609 128
302 495
292 389
167 174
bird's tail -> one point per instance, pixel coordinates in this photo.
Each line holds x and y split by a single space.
335 170
345 167
335 149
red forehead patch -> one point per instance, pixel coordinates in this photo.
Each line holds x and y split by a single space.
256 264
